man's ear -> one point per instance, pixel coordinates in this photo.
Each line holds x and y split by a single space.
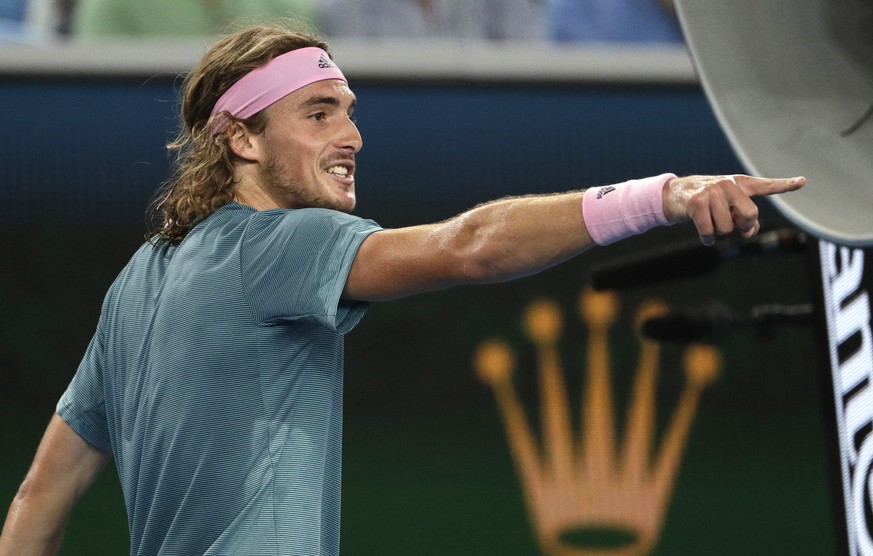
243 142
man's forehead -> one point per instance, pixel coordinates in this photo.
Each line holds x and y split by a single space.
330 91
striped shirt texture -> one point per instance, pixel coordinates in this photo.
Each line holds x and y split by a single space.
215 380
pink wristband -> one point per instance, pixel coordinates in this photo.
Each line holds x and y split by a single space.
615 212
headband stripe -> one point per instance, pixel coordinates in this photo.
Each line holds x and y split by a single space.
271 82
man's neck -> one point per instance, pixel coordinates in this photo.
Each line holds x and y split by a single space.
248 191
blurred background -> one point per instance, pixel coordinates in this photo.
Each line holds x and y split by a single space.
459 102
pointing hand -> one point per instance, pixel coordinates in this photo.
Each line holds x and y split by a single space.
721 204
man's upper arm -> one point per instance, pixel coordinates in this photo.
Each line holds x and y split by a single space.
65 465
395 263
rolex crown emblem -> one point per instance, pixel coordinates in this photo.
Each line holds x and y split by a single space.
601 495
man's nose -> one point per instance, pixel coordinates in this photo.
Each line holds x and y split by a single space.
350 139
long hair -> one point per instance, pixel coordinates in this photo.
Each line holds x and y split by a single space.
202 179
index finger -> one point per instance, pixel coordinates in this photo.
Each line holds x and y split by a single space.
753 186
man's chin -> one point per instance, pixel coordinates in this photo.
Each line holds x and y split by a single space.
346 207
347 204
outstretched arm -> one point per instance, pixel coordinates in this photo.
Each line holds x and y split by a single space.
515 237
63 469
493 242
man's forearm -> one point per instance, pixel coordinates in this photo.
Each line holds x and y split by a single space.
519 236
63 469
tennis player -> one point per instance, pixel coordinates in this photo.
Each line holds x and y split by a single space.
214 378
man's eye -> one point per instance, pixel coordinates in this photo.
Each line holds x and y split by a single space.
319 116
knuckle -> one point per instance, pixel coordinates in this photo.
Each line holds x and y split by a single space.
698 202
724 225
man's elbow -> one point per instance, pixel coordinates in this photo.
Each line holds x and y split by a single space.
30 495
482 262
474 255
27 490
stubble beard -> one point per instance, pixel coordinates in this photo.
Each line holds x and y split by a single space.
294 192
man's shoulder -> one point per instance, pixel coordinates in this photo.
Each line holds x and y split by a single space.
311 217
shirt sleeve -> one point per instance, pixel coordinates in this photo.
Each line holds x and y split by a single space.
82 406
295 263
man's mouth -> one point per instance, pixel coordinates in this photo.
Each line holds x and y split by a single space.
338 170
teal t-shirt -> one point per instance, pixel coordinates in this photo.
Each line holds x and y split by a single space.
215 380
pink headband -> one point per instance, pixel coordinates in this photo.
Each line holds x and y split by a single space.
271 82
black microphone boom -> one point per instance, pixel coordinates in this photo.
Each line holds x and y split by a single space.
691 325
715 320
688 258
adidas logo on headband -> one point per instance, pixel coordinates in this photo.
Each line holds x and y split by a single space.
324 62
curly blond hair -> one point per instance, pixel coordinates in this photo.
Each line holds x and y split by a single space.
202 179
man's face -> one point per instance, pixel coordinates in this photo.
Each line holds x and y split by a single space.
310 144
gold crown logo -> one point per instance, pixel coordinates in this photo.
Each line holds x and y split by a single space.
588 498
